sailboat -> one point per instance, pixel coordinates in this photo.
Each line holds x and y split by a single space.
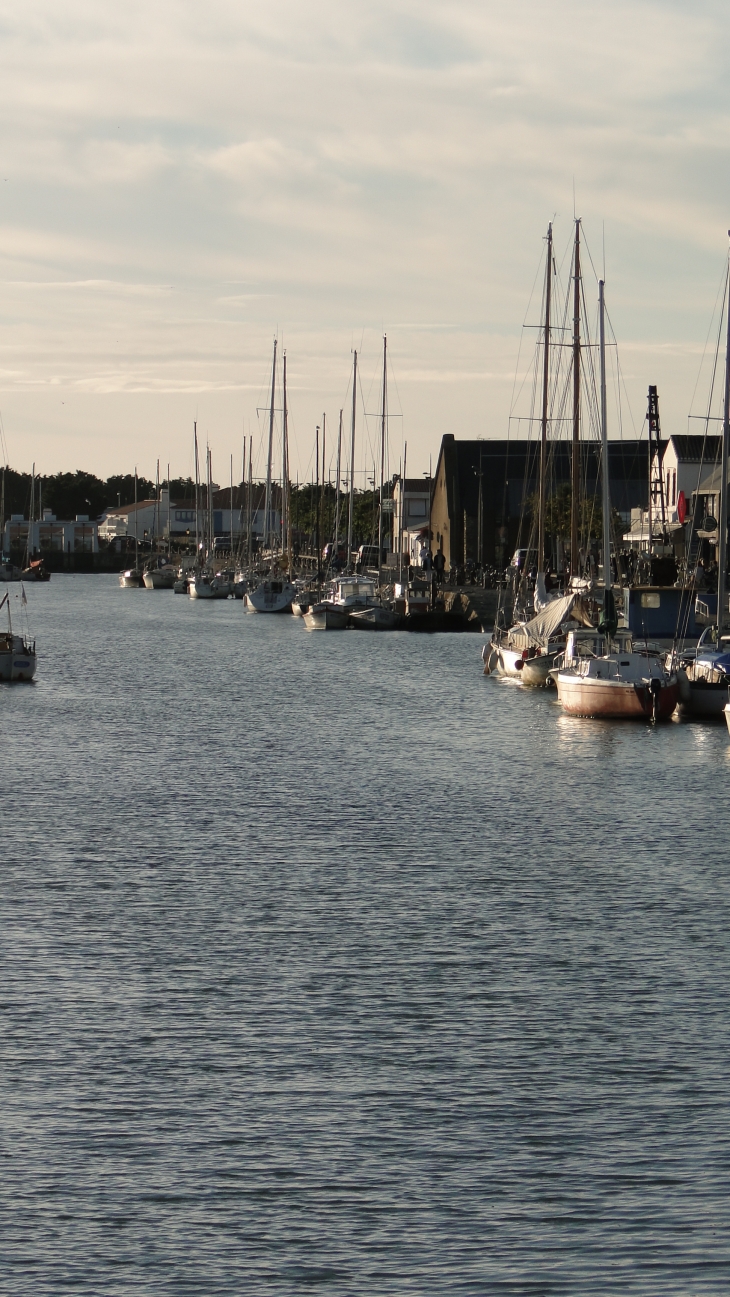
132 578
17 653
527 650
274 593
619 683
704 676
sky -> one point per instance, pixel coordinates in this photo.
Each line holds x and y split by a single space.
180 183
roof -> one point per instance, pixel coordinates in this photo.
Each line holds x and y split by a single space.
693 448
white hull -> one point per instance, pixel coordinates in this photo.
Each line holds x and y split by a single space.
204 588
17 662
161 579
270 596
326 617
130 580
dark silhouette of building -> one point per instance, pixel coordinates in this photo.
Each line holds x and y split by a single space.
480 490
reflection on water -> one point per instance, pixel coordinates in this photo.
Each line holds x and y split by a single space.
329 962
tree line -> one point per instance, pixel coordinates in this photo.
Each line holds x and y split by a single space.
69 494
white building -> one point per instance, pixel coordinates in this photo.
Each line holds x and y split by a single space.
412 506
50 534
686 459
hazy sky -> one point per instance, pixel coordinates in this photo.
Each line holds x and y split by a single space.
179 181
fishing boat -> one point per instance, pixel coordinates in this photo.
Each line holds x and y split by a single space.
619 683
326 615
17 652
376 617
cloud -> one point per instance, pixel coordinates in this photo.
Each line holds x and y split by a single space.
346 167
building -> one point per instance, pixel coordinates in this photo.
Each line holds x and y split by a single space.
481 490
679 467
51 535
150 519
411 508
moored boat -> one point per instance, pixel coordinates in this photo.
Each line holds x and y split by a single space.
270 596
326 616
17 652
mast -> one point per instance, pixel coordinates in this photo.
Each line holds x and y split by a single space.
197 494
604 446
209 511
545 398
383 416
285 472
337 489
136 527
169 505
267 506
157 505
249 529
401 510
575 461
722 520
231 518
321 507
352 465
316 501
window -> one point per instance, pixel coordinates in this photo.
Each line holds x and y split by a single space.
416 508
651 600
674 488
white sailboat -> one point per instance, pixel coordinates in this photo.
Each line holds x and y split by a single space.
274 593
17 652
620 683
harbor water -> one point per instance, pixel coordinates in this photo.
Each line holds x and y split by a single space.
330 965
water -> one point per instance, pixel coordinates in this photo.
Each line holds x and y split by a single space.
330 965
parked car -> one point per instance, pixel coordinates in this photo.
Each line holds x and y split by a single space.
367 556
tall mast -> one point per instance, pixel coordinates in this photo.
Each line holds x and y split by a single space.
545 397
575 462
197 493
136 523
284 469
231 518
337 489
169 506
157 505
316 500
383 416
352 464
322 497
604 445
267 506
722 520
249 529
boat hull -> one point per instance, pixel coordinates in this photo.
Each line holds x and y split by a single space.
619 700
160 580
375 618
703 698
326 617
130 580
17 662
264 599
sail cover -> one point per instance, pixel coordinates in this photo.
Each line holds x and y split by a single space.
547 622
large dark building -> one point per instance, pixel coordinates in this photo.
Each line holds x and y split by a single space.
481 488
